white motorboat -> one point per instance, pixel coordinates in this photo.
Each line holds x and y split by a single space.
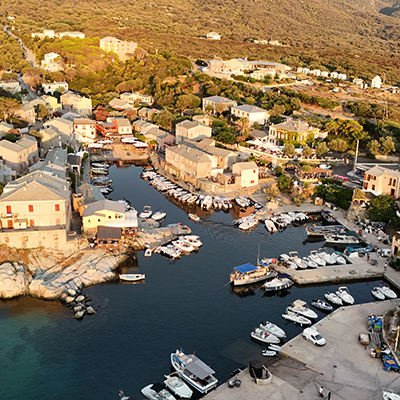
268 353
390 395
262 336
146 213
377 294
274 347
248 273
194 217
333 298
344 294
339 258
169 251
243 202
322 305
341 239
248 224
316 258
270 226
327 257
386 291
193 240
132 277
272 328
147 253
158 215
183 246
157 392
279 222
294 257
178 387
310 263
284 257
277 284
296 318
126 203
194 371
301 307
207 202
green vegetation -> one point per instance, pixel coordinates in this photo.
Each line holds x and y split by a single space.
284 182
382 208
339 196
11 55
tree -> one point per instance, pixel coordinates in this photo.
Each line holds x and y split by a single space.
41 111
306 168
387 145
321 149
250 100
186 101
284 182
339 145
163 119
382 208
289 150
277 110
8 107
307 151
243 124
373 147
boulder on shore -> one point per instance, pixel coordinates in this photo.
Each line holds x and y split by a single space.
13 280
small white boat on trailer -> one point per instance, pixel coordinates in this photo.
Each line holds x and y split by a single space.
194 371
157 392
194 217
322 305
377 294
344 294
178 387
296 318
301 307
333 298
132 277
265 337
272 328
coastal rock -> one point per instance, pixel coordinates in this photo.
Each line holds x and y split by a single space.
90 310
79 314
72 292
13 280
80 298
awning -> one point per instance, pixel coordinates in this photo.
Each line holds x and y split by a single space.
199 368
245 268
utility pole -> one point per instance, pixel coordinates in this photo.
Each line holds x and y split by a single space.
355 158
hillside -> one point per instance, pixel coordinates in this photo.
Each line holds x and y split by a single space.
311 29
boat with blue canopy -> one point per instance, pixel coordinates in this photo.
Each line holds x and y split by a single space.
249 273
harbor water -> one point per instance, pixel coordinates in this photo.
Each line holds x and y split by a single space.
46 354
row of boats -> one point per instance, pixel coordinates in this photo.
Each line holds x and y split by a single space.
183 245
99 175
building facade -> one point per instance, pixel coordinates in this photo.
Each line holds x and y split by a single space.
380 180
122 48
192 130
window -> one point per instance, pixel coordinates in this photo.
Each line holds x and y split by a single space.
8 208
373 187
30 208
31 222
57 207
252 181
394 182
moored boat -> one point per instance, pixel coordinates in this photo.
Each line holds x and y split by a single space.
277 284
322 305
248 224
294 257
326 256
192 239
194 217
158 215
386 291
248 273
341 239
377 294
268 353
301 307
270 226
183 246
333 298
132 277
296 318
194 371
272 328
146 213
327 218
344 294
178 387
265 337
157 392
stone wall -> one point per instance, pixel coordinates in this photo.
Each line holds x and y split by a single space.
29 239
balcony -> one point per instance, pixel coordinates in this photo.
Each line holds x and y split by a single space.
9 215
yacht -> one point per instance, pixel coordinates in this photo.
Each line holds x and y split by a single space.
248 273
178 387
322 305
386 291
377 294
301 307
194 371
341 239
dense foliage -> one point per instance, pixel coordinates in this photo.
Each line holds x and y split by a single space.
11 54
339 196
382 208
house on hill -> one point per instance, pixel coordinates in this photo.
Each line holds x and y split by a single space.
218 104
294 131
77 104
192 130
246 173
21 154
122 48
376 82
51 87
380 180
252 113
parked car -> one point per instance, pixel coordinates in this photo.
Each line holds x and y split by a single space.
313 336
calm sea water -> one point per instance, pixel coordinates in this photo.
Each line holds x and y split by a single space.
46 354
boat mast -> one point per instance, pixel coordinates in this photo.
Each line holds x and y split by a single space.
258 255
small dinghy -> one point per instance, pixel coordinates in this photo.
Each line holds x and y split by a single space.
265 337
322 305
194 217
274 347
377 294
344 294
178 387
132 277
147 253
296 318
268 353
158 215
272 328
333 298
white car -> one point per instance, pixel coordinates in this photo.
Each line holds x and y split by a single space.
313 336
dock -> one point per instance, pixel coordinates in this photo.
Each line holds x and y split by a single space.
343 366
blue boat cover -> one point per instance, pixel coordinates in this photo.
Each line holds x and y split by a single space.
245 268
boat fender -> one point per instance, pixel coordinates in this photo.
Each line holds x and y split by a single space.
273 261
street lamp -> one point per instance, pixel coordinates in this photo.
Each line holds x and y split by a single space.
355 158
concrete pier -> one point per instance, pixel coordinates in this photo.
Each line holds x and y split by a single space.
343 366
